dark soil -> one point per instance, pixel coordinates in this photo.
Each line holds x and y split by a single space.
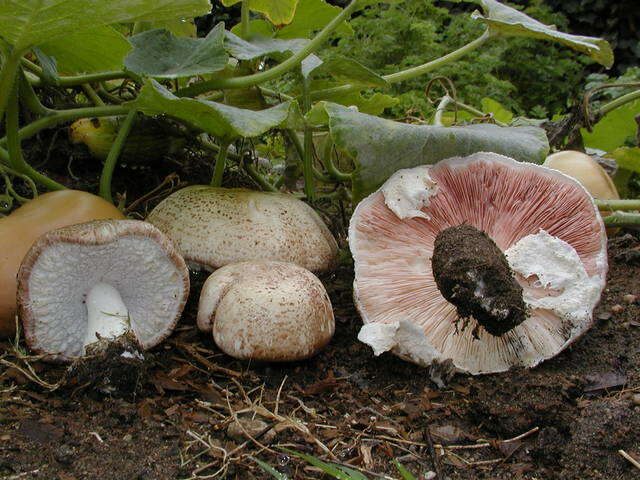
473 274
566 419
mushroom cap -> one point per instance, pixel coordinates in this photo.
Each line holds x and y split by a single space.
585 170
266 311
25 224
545 222
218 226
63 265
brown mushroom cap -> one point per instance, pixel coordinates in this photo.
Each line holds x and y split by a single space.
266 311
25 224
585 170
127 265
214 227
545 223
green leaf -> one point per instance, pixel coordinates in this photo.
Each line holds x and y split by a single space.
49 67
222 121
497 110
260 46
96 50
159 54
614 128
406 474
27 23
309 64
627 158
373 105
310 16
328 468
180 27
509 22
279 12
350 71
353 474
257 27
382 146
269 469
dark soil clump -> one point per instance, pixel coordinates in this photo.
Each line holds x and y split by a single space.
473 274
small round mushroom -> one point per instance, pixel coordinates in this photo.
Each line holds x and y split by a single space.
25 224
266 311
100 280
213 227
585 170
484 261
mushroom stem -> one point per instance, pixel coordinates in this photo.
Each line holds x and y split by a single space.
473 274
107 315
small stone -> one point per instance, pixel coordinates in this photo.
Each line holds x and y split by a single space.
604 316
253 427
617 308
429 475
630 298
636 399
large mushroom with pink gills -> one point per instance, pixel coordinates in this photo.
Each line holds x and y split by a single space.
484 261
100 280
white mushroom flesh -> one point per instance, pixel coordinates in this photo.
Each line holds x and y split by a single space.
107 315
76 288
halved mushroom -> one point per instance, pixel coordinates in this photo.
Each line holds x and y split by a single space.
97 280
25 224
213 227
482 260
266 311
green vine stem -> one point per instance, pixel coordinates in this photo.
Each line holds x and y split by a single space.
307 152
60 116
73 80
8 75
616 205
327 157
440 109
618 102
10 191
290 63
413 72
245 18
622 219
29 98
16 160
221 160
259 179
114 153
92 95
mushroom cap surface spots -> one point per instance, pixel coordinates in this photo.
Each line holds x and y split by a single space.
63 265
217 226
266 311
24 225
394 286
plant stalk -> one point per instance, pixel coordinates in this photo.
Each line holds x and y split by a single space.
288 64
410 72
15 159
622 219
617 205
8 75
114 153
245 28
618 102
221 160
329 164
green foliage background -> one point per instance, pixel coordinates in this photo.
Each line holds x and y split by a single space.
529 77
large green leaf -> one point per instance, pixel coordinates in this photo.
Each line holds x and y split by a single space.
260 46
279 12
614 128
310 16
627 158
26 23
222 121
507 21
96 50
372 104
382 146
160 54
346 70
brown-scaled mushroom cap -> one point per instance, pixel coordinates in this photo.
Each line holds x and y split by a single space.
24 225
214 227
266 311
417 300
585 170
100 279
